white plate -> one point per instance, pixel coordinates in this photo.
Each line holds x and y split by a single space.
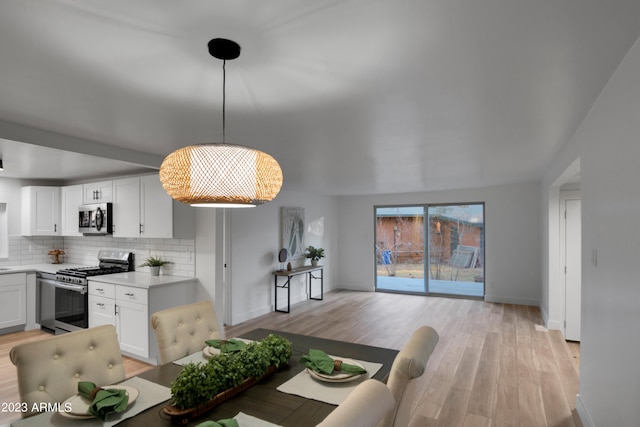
339 377
80 405
209 351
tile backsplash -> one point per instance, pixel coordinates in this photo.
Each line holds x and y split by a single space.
25 250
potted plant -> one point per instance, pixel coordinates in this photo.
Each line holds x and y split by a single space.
314 254
154 264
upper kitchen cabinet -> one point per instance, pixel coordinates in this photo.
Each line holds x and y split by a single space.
40 211
98 192
71 198
126 207
141 208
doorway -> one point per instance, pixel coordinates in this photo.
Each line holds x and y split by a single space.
572 254
430 249
564 254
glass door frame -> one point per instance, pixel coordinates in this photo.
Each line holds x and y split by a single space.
425 268
427 249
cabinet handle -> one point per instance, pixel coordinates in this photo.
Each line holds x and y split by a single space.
129 294
115 309
55 228
100 304
141 229
99 290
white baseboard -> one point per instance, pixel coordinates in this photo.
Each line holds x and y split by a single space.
550 323
243 317
555 324
583 413
509 300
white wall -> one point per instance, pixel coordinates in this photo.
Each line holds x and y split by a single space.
511 233
256 241
608 146
11 193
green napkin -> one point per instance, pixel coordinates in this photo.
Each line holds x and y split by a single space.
227 346
319 361
103 401
229 422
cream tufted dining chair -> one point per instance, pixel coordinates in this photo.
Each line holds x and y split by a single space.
182 330
365 406
407 367
49 370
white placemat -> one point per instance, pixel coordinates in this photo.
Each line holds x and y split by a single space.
333 393
150 395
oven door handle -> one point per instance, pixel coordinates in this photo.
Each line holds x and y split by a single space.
75 288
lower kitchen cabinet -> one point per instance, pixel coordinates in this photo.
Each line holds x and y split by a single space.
128 308
13 300
132 315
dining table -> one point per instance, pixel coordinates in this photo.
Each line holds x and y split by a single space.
274 398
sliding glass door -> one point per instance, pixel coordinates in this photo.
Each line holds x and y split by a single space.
400 249
451 236
456 250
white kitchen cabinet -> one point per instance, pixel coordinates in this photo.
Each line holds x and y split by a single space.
102 304
132 314
13 300
102 311
71 198
133 327
143 209
97 192
129 308
40 211
126 207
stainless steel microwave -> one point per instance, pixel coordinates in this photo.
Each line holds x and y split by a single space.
96 219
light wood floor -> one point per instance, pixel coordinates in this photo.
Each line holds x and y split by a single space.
493 366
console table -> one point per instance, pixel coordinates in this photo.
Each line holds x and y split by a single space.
309 271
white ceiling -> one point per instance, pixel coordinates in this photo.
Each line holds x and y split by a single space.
351 97
34 162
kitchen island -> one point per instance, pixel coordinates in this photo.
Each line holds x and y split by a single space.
142 280
127 300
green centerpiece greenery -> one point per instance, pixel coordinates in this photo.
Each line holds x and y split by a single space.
198 383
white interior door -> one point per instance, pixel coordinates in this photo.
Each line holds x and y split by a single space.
573 265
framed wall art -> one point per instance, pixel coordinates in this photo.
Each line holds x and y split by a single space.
292 224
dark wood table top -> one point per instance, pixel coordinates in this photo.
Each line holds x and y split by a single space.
262 400
298 270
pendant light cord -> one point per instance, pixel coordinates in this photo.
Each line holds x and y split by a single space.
224 101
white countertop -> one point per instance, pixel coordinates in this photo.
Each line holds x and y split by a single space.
136 279
32 268
139 279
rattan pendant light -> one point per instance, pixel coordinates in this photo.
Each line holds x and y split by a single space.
221 174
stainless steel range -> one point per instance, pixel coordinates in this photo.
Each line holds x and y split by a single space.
64 297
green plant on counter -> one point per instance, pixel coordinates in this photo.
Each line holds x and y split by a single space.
154 262
198 383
